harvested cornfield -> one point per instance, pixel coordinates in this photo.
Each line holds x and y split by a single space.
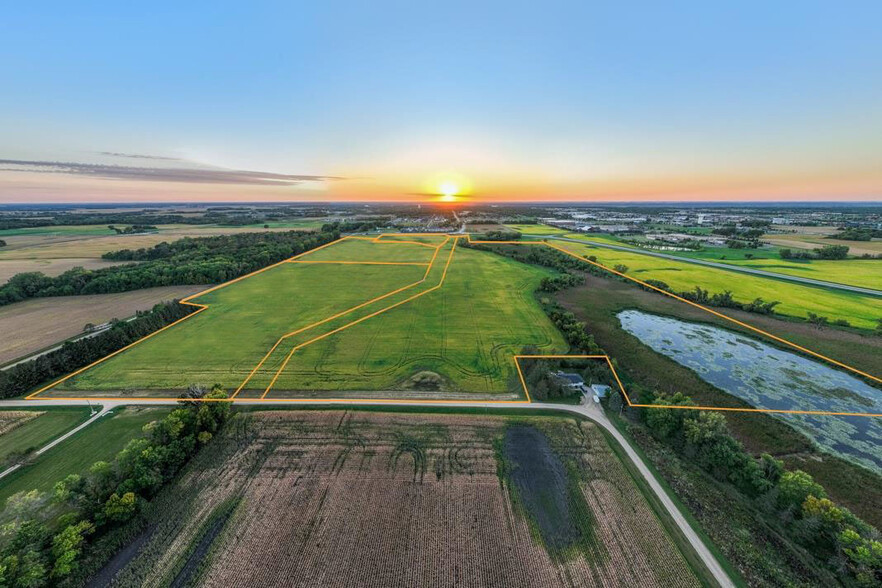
13 419
342 498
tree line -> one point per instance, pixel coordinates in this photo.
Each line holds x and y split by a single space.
73 355
825 252
200 260
858 234
831 533
54 539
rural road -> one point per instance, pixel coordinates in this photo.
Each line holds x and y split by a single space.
734 268
590 411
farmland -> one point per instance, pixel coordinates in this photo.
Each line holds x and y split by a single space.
795 300
98 442
815 237
855 272
42 322
343 498
54 250
460 318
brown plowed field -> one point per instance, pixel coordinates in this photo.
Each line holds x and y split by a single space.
339 498
41 322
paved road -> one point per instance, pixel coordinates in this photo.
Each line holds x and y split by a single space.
590 411
734 268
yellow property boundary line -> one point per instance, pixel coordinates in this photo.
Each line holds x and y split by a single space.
447 237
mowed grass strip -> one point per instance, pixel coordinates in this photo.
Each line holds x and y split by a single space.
225 342
795 300
100 441
36 432
466 331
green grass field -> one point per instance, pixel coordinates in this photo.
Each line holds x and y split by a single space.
796 300
100 441
73 230
537 230
465 330
223 343
39 431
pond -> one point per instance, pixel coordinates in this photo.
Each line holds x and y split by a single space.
768 377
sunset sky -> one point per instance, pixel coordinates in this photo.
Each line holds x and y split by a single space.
585 101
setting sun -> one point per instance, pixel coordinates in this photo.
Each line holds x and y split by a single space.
448 190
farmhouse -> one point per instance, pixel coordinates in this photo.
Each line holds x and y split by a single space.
572 381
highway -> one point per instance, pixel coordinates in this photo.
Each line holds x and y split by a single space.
733 268
590 411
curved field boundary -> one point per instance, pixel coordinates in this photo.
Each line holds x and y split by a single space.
339 314
447 238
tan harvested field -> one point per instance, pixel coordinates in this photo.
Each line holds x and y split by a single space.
72 245
41 322
13 419
349 498
50 267
815 238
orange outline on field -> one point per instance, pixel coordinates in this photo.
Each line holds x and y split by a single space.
430 264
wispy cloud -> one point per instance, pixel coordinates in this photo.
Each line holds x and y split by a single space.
192 175
139 156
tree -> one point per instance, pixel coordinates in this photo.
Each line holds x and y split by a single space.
119 509
664 422
795 487
832 252
817 320
621 268
66 548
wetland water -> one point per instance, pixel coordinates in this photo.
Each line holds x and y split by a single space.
768 377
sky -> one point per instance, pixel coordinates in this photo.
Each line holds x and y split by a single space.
506 101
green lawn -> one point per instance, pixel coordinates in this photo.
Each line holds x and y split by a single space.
466 330
39 431
100 441
796 300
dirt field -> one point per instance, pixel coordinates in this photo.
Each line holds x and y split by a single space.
342 498
815 237
70 244
41 322
50 267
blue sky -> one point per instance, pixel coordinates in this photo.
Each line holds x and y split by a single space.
559 100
